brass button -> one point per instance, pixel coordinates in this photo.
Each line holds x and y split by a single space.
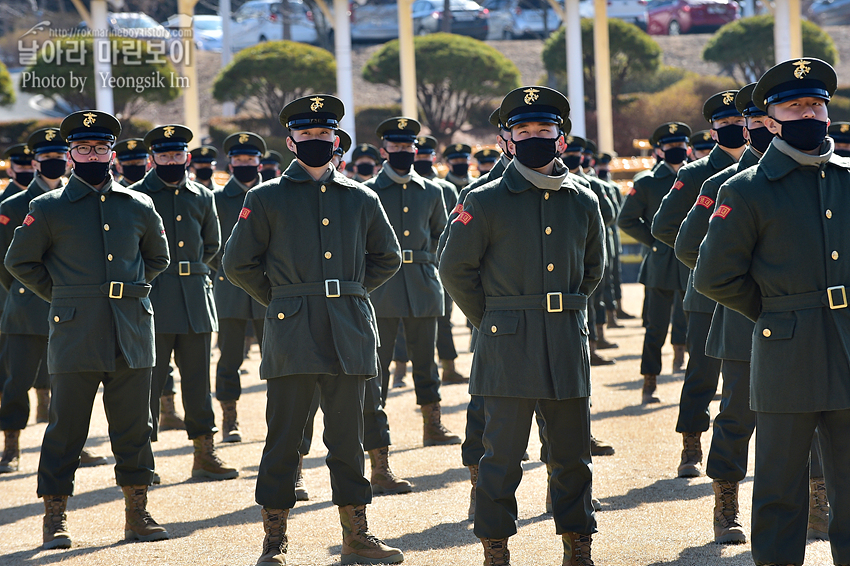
493 329
828 213
834 255
766 332
281 316
109 257
328 255
55 319
179 218
551 267
21 291
407 232
404 186
102 198
548 230
823 174
405 209
180 244
325 221
324 188
546 196
221 277
655 248
176 191
106 227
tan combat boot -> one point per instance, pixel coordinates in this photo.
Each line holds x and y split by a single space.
168 417
727 524
359 546
229 422
818 528
596 359
42 406
600 447
691 464
89 459
577 549
275 542
601 342
207 464
433 431
650 384
450 374
138 523
383 479
496 552
678 358
612 319
11 460
301 493
55 526
473 477
398 374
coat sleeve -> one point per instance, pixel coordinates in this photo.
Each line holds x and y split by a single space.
245 251
461 260
211 233
7 232
453 213
594 253
383 252
694 227
154 246
632 216
722 269
674 207
437 222
24 258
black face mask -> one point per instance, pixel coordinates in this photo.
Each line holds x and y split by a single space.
585 162
202 174
133 173
572 161
731 136
760 139
53 168
314 153
245 173
460 169
171 174
267 174
401 160
92 172
424 167
506 150
806 135
24 178
602 172
366 169
537 152
842 152
675 155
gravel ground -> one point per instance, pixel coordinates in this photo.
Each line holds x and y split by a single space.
649 516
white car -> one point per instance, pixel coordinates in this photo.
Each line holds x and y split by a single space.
206 31
257 21
513 19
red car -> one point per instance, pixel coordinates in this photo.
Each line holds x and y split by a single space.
672 17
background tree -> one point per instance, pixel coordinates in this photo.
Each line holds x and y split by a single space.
745 47
266 77
453 74
132 61
633 54
7 91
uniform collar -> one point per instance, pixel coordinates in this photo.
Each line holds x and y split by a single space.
234 188
517 183
38 186
749 159
719 159
76 188
154 183
383 179
778 162
296 173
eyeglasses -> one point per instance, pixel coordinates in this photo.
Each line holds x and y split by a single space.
86 149
166 157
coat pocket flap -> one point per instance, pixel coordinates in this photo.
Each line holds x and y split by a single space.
499 324
59 315
776 327
283 308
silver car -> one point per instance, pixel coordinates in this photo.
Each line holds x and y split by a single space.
514 19
262 20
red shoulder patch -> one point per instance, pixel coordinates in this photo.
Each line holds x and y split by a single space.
28 220
723 211
705 201
678 185
4 219
632 191
464 217
246 212
458 209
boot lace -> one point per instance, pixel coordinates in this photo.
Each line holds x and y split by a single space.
728 504
497 553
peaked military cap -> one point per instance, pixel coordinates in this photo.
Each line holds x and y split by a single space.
744 102
172 137
19 153
840 132
575 143
244 143
314 111
702 140
720 105
457 150
90 125
366 149
605 158
535 104
344 142
487 155
796 78
426 144
270 157
399 129
46 140
349 167
204 154
130 149
496 120
590 147
671 132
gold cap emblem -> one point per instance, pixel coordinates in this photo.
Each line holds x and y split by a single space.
673 128
531 95
706 136
844 128
421 140
27 151
205 150
364 147
402 123
243 138
168 131
458 147
728 98
90 118
317 103
49 134
486 153
132 144
802 69
569 140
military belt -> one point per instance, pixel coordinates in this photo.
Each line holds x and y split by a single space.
550 302
833 297
113 290
330 288
184 268
418 256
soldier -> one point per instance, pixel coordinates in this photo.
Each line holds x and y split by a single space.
701 143
91 251
703 373
365 158
523 292
486 159
131 160
457 160
235 307
341 150
202 166
774 252
20 169
321 330
270 165
840 134
663 276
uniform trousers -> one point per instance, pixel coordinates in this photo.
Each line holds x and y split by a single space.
445 339
472 449
376 426
659 311
733 426
287 408
231 345
307 440
781 487
420 334
701 377
126 394
25 359
506 430
192 356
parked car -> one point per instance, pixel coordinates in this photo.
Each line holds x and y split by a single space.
262 20
133 24
468 17
829 12
632 11
513 19
373 20
206 31
672 17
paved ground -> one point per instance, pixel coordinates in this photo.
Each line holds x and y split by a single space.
649 516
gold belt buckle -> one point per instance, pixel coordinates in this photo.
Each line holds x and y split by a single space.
832 304
406 256
555 302
332 288
120 293
184 268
